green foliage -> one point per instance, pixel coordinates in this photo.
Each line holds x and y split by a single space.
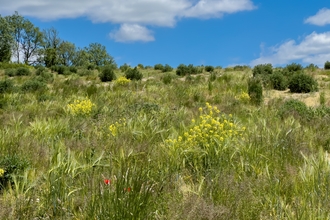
140 66
33 85
6 86
294 67
312 67
241 68
159 67
255 90
262 69
23 71
107 74
295 108
167 68
10 72
6 40
133 74
12 65
12 165
124 67
183 70
302 83
167 78
278 81
209 68
73 69
327 65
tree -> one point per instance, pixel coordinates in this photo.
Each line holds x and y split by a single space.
16 21
66 53
51 43
31 42
98 55
6 40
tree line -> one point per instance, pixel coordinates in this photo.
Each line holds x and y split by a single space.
22 40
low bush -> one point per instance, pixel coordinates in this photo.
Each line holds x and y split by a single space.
73 69
167 78
124 67
107 74
327 65
6 86
33 85
302 83
159 67
278 81
262 69
10 72
133 74
209 68
255 90
23 71
295 108
167 68
294 67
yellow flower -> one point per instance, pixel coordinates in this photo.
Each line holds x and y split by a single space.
2 172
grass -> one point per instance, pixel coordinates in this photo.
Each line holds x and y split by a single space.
156 149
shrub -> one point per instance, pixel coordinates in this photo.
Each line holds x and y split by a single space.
241 68
124 67
46 77
294 67
302 83
327 65
107 74
278 81
73 69
133 74
6 86
10 72
312 67
167 68
85 72
183 70
295 108
90 66
262 69
11 165
140 66
159 67
255 90
167 78
33 85
209 68
40 70
61 70
23 71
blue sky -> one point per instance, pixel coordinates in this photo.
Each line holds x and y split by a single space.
209 32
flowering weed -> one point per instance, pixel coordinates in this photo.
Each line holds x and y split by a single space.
122 81
81 107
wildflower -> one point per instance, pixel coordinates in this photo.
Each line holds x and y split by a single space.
107 181
128 189
2 172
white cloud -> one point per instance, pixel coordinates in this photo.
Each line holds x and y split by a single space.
132 32
164 13
314 48
321 18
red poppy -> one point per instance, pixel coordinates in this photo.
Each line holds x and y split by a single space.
128 189
107 181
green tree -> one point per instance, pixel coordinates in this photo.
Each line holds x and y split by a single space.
51 43
32 39
16 22
98 55
6 40
66 53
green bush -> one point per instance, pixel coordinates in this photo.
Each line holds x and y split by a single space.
327 65
295 108
107 74
167 78
241 68
167 68
124 67
10 72
23 71
61 70
33 85
312 67
294 67
12 65
40 70
209 68
73 69
183 70
133 74
12 165
140 66
302 83
159 67
255 90
6 86
262 69
278 81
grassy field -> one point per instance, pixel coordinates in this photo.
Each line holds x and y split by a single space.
165 147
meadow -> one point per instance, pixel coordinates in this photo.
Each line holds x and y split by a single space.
164 147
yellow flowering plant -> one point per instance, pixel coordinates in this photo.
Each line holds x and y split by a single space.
206 136
2 172
81 107
122 81
117 126
243 97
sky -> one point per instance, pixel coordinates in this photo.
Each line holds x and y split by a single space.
199 32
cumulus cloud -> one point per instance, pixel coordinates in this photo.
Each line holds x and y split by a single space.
164 13
132 32
314 48
321 18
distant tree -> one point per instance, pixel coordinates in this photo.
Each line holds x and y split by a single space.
51 43
327 65
6 40
66 53
98 55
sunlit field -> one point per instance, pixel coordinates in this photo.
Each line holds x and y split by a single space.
167 146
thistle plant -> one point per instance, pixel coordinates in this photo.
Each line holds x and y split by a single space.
82 107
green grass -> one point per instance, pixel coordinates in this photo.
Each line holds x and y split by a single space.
140 138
